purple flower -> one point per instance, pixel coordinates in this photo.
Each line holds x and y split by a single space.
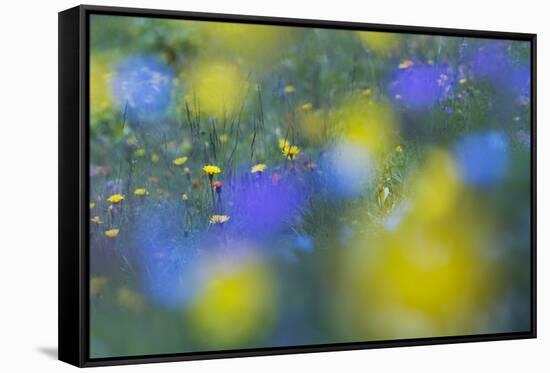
492 61
260 208
421 86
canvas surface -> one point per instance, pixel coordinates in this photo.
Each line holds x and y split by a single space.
264 186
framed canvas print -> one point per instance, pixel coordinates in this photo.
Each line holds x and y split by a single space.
237 186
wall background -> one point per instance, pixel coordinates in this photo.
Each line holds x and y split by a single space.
28 184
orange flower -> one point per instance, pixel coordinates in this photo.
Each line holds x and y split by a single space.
217 185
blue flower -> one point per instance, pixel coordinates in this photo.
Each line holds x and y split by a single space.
167 261
482 159
346 171
260 209
304 243
421 86
493 62
144 84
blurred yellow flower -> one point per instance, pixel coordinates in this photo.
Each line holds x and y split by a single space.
97 283
180 161
218 219
307 106
155 158
436 187
184 197
399 149
132 140
421 277
379 42
258 168
223 138
290 152
141 192
115 198
211 169
139 152
92 205
100 81
236 305
369 124
130 299
111 233
96 220
289 88
256 47
217 88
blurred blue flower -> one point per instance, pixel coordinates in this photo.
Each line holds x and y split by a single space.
262 207
482 159
346 171
167 259
519 80
144 84
303 242
492 61
421 86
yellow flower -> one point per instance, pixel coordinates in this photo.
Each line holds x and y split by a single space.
111 233
258 168
132 141
307 106
139 152
96 220
92 205
219 87
184 197
234 302
180 161
381 43
289 88
155 158
96 284
291 151
462 81
218 219
186 170
141 192
211 170
283 143
399 149
223 138
115 198
130 299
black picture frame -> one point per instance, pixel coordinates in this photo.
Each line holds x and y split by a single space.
74 186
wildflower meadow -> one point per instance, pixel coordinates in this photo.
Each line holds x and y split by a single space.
265 186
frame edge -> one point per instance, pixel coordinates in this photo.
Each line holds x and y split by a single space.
72 200
70 348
